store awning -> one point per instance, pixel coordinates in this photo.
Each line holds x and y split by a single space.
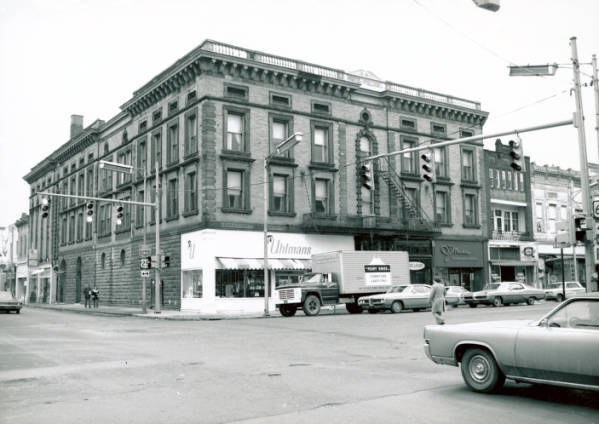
508 262
258 263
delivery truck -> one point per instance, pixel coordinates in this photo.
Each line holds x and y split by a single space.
343 276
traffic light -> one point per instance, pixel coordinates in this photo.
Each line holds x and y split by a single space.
366 176
119 214
580 228
426 165
90 211
516 154
45 207
165 261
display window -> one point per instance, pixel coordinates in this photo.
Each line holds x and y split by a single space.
192 283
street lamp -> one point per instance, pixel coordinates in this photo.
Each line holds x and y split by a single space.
282 147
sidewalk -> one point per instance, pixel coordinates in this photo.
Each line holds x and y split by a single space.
124 311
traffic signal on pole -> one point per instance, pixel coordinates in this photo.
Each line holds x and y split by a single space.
426 165
366 175
45 207
90 211
516 154
119 214
580 228
165 261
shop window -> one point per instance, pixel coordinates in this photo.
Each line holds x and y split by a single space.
239 283
192 284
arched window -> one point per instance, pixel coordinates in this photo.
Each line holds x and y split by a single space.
103 261
123 257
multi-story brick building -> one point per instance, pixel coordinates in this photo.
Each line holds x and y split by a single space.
512 252
557 199
210 123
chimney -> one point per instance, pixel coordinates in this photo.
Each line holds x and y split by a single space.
76 125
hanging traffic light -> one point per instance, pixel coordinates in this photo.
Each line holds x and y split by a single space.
366 175
580 228
45 207
90 211
426 165
119 214
516 154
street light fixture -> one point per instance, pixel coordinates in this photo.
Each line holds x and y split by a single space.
281 148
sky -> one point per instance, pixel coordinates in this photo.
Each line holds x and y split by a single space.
86 57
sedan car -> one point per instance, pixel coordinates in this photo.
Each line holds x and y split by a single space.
555 290
398 298
454 295
505 293
557 349
9 303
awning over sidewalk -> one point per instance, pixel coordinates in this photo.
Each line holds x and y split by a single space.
258 263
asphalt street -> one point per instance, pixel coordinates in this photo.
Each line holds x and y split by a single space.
64 367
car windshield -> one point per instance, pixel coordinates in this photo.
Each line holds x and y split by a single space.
396 289
5 295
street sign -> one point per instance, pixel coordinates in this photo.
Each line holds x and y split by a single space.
144 263
145 273
596 209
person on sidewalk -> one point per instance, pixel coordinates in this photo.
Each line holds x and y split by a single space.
437 299
95 296
87 295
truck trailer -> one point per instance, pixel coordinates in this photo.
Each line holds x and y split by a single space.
343 276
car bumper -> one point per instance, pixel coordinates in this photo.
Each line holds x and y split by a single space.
442 360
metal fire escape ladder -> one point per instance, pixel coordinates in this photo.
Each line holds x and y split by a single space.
411 213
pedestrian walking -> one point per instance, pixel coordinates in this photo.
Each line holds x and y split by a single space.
437 299
95 296
87 295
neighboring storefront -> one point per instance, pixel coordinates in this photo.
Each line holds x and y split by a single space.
552 260
460 263
223 271
514 261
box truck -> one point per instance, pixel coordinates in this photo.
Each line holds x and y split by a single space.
343 277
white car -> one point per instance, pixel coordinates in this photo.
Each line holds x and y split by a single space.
454 295
398 298
555 290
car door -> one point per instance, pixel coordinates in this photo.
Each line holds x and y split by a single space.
562 349
516 294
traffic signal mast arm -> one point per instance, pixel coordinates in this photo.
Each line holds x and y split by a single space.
467 139
100 199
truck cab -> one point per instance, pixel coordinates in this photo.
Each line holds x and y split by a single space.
313 291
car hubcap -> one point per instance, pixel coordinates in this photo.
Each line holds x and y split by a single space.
479 369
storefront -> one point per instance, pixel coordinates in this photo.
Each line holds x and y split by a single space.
552 260
514 261
460 263
223 271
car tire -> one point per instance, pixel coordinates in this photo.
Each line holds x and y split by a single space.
559 298
18 311
472 305
311 305
530 301
498 301
396 307
480 371
287 310
354 308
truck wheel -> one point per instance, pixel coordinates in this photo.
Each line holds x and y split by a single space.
354 308
480 371
287 310
396 307
311 305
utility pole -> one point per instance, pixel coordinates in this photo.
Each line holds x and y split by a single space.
584 168
158 258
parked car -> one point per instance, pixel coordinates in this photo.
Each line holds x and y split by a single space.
555 290
556 349
504 293
454 295
9 303
398 298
